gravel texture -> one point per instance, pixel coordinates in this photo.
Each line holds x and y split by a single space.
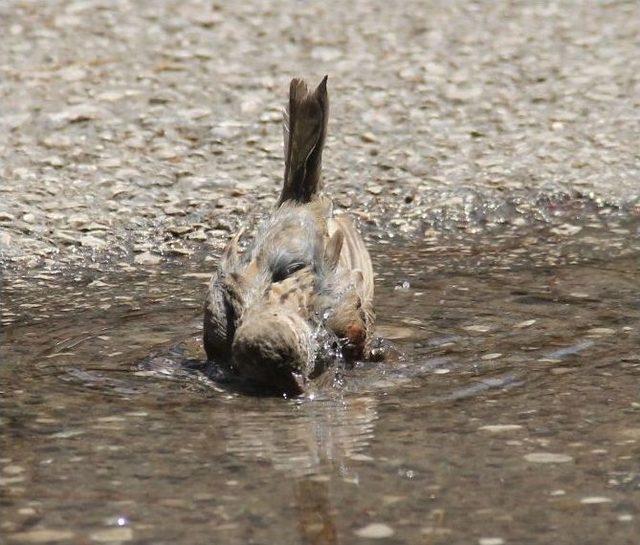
140 130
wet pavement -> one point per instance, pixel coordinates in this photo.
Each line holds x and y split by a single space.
507 412
489 153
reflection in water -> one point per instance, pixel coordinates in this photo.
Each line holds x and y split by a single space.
316 515
317 435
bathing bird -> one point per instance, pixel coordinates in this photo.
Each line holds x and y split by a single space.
305 275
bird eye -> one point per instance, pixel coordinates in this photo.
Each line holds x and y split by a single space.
280 274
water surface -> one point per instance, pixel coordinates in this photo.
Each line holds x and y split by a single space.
508 410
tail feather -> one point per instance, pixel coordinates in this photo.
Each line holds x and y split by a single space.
305 128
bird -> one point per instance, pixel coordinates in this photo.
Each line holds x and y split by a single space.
303 276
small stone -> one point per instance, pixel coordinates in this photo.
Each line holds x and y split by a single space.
562 370
76 114
478 328
566 229
375 189
112 534
601 331
368 137
67 434
326 53
488 357
524 324
5 481
42 535
13 470
53 161
93 242
459 94
594 500
435 531
57 141
110 96
376 530
547 458
72 73
199 235
146 258
490 541
631 433
392 332
625 517
27 511
173 210
500 428
176 250
579 295
361 458
179 230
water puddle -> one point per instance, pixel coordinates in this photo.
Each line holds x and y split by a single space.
508 409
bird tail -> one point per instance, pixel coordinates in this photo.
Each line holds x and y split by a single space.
305 129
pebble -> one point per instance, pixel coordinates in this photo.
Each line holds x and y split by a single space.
547 458
93 242
435 531
579 295
631 433
146 258
42 535
361 458
27 511
112 534
75 114
179 230
375 530
478 328
601 331
368 137
524 324
13 469
4 481
491 541
493 356
500 428
566 229
594 500
54 161
394 332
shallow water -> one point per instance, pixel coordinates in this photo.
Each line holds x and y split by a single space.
508 410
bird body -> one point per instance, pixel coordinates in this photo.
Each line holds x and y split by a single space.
306 271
